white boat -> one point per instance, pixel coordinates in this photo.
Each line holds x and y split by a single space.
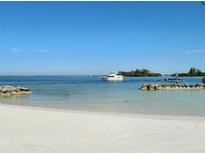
113 76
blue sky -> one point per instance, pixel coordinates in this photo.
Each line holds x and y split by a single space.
99 37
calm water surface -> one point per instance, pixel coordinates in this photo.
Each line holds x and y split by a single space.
92 93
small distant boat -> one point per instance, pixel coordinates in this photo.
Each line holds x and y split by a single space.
203 79
175 79
113 76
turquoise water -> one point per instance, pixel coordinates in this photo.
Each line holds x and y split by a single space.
93 94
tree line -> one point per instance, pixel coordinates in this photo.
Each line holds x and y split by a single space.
140 72
193 72
147 73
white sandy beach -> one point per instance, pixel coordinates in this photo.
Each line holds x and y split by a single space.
28 129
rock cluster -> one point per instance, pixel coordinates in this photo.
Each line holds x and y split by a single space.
11 90
153 87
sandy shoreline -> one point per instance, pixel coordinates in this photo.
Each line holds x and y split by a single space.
29 129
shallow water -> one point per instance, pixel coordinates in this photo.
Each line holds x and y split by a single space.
92 93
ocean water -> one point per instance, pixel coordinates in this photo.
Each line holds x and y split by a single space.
90 93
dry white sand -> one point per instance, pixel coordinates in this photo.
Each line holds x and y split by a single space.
27 129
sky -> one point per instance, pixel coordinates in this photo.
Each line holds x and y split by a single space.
74 38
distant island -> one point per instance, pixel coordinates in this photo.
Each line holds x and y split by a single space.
192 72
147 73
140 73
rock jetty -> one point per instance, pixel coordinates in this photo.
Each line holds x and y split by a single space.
13 91
154 87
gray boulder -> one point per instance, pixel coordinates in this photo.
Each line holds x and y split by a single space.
11 90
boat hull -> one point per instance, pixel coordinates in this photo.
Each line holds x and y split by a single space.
114 79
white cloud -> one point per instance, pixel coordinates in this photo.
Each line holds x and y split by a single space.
195 51
41 51
14 50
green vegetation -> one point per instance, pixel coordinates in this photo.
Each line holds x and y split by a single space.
145 72
140 72
193 72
